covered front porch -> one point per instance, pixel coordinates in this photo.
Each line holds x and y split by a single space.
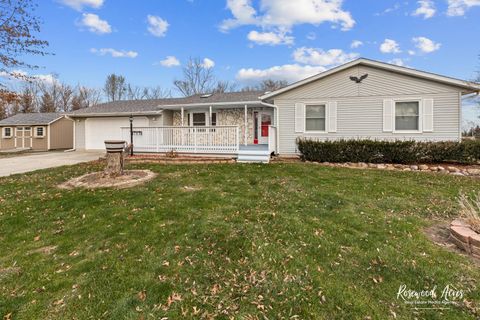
213 129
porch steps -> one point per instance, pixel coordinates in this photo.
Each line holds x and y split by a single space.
253 156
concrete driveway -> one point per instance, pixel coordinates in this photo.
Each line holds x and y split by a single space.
31 162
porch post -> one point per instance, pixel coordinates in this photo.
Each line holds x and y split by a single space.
245 133
182 115
210 116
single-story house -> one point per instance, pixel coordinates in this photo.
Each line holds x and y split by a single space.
36 131
360 99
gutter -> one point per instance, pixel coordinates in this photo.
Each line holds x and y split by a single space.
207 104
114 114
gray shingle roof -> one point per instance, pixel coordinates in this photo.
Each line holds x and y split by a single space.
134 106
30 119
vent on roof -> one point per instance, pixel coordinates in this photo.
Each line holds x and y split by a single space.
208 95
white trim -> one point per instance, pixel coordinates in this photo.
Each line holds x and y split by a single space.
11 133
316 104
35 131
246 126
473 87
208 104
48 137
420 115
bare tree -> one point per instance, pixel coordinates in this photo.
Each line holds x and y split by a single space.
157 93
197 78
47 103
224 86
18 26
85 97
8 103
65 99
28 98
115 87
267 85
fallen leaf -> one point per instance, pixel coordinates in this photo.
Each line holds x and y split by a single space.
142 295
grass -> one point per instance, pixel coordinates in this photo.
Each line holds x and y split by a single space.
283 241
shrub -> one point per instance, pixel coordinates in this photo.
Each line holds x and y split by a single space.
401 152
470 211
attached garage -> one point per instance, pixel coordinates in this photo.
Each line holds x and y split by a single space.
97 130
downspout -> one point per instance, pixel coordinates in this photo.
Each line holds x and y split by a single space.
277 122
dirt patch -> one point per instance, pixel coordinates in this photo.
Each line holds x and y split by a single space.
439 233
5 272
44 250
129 179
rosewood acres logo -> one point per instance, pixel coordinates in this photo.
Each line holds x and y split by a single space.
434 298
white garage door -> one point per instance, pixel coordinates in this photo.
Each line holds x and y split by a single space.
97 130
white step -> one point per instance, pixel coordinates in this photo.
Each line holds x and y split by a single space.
253 158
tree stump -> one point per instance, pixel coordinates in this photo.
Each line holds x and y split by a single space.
115 161
114 164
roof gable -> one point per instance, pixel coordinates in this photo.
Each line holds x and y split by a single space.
465 85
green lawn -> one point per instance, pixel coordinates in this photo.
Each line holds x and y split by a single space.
280 241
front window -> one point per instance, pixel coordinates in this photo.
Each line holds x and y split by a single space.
214 119
315 117
197 119
39 131
407 116
7 132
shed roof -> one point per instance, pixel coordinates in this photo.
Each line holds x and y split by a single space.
31 119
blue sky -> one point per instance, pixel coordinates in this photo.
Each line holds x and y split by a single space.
246 41
258 41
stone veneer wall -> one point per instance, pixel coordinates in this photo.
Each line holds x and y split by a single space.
226 117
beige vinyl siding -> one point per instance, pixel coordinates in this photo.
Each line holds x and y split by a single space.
6 143
80 134
40 143
61 134
360 106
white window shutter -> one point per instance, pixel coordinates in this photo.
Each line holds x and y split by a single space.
299 117
427 115
332 116
388 115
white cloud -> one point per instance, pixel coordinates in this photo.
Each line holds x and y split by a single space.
94 24
398 62
426 45
284 14
79 4
356 44
270 38
288 72
390 46
170 61
459 7
411 52
319 57
208 63
114 53
157 26
426 9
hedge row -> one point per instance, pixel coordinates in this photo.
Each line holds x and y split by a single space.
401 152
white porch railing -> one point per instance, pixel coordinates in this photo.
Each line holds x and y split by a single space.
272 139
214 139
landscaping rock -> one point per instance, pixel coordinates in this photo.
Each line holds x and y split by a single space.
474 172
423 167
414 167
